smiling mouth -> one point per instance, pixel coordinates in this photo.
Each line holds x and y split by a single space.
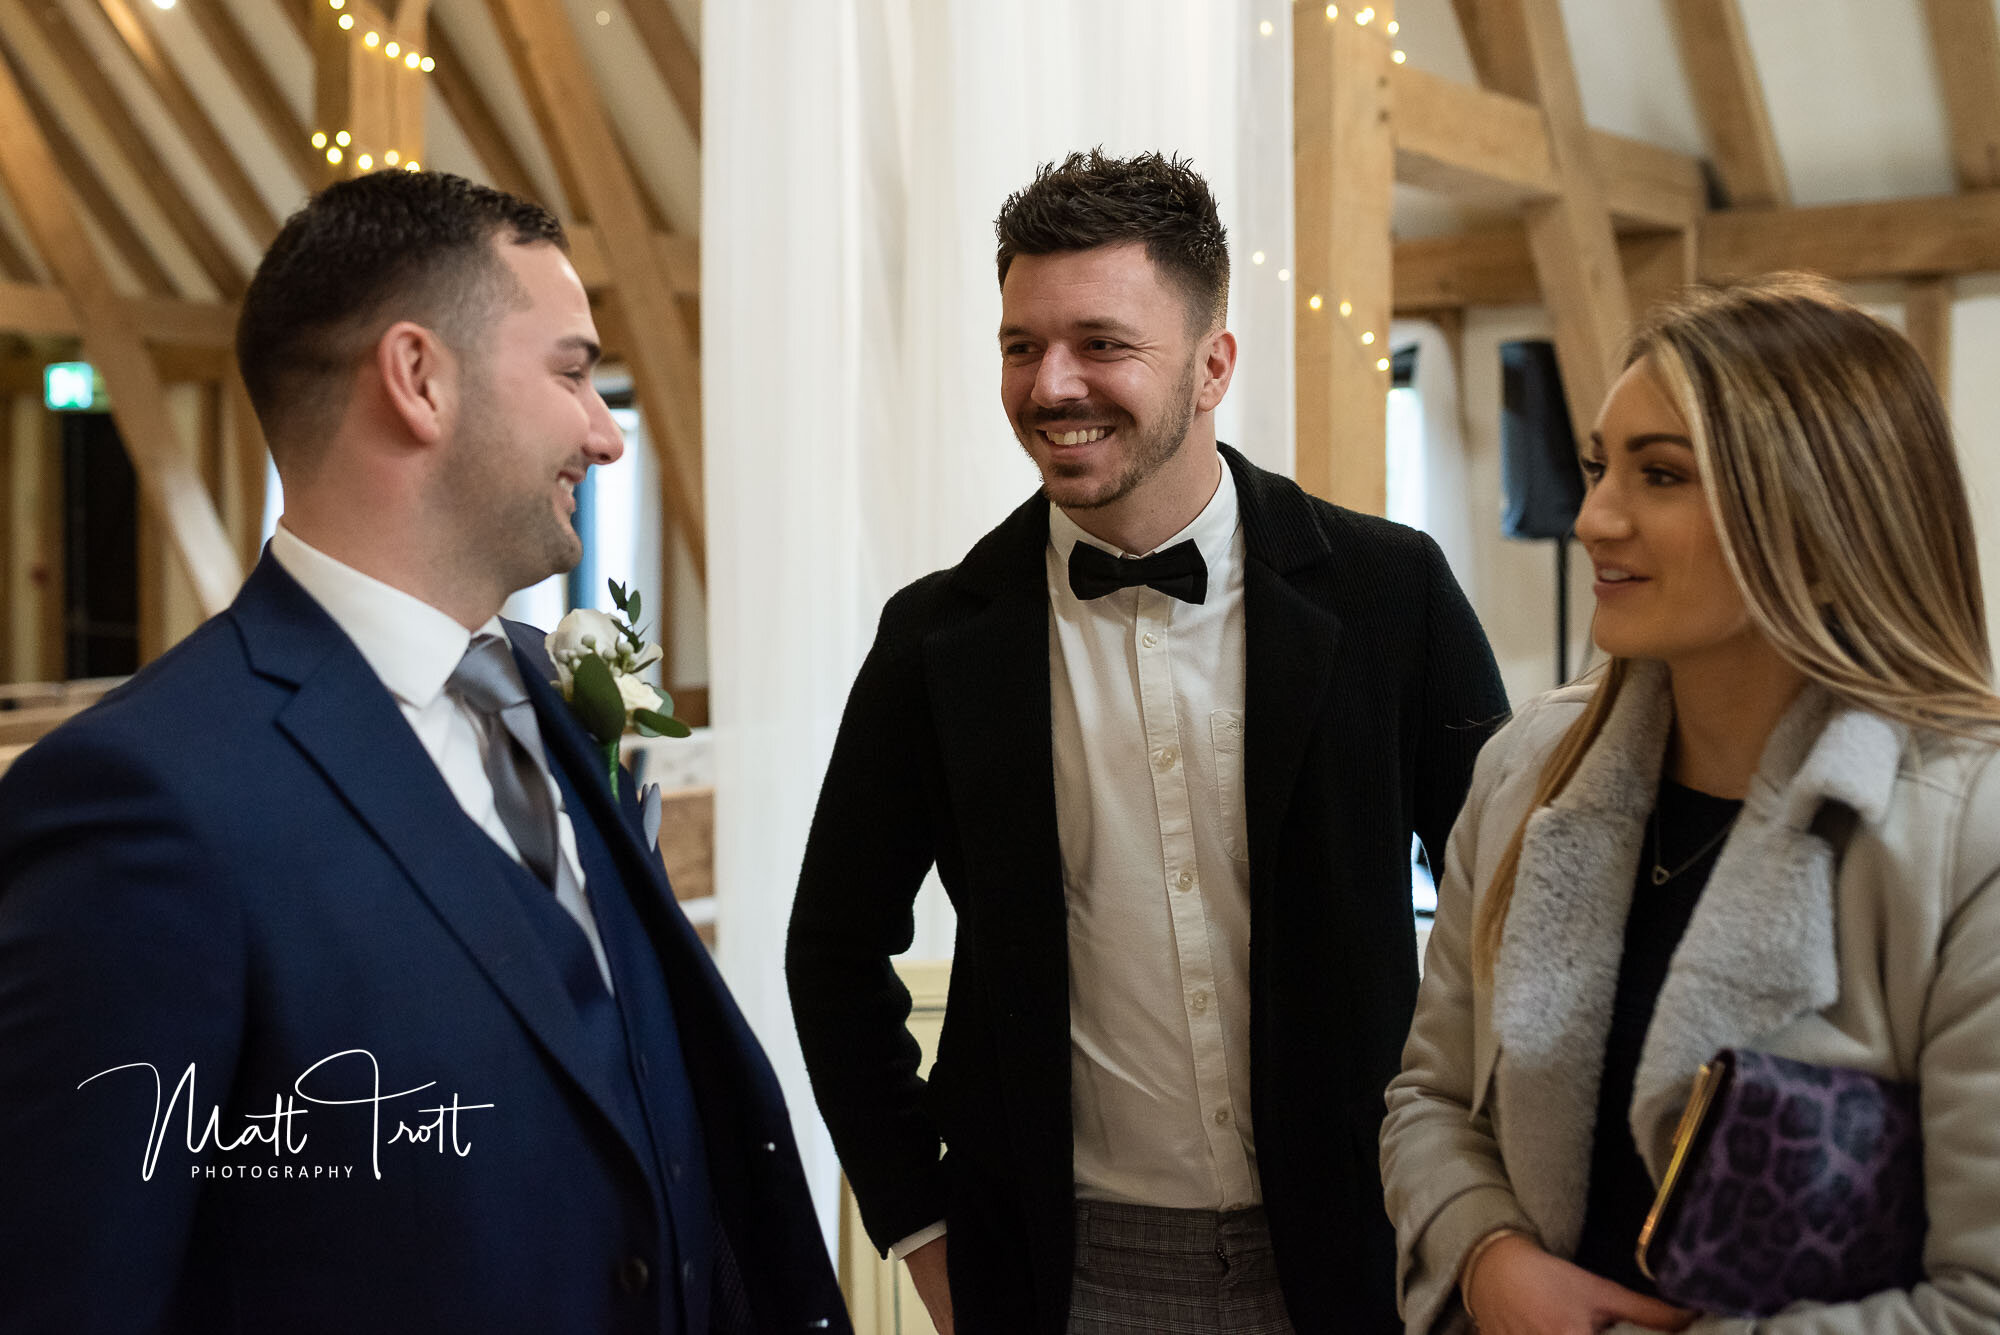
1079 436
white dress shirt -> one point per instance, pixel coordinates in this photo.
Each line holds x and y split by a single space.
1147 694
414 648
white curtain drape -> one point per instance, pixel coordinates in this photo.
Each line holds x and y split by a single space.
855 154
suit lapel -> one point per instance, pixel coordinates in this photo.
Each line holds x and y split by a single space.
346 722
988 678
1289 639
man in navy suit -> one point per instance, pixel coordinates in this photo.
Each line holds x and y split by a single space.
337 990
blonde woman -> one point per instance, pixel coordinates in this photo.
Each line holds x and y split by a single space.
1772 822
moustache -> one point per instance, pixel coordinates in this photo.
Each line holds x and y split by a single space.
1082 412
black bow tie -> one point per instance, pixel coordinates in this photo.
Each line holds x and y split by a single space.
1178 571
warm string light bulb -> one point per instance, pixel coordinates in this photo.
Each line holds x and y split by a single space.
411 60
365 162
391 158
1333 11
372 40
1366 16
411 166
343 139
1393 28
427 64
1257 257
1368 336
1382 364
347 22
1398 56
392 50
1284 275
319 139
1346 309
1264 28
333 156
1314 301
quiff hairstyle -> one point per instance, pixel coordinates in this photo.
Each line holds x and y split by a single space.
362 255
1827 464
1090 200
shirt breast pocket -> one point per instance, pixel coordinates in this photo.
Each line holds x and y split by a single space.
1225 735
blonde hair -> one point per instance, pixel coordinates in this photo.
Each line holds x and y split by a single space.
1829 473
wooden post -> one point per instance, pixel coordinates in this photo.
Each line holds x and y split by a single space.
361 91
1927 323
111 341
1344 173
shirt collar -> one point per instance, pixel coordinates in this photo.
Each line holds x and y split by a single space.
413 647
1213 530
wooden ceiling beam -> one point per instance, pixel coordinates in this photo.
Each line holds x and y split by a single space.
1485 146
1571 238
680 254
82 66
233 49
665 369
192 121
1899 239
168 480
1965 43
673 55
41 310
1491 30
475 119
93 194
14 263
1344 170
1729 97
1927 323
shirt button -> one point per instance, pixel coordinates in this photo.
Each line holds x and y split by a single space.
1199 1001
1149 639
1165 757
1185 881
687 1274
634 1275
1222 1117
674 1169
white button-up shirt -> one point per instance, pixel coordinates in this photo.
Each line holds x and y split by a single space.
414 648
1147 696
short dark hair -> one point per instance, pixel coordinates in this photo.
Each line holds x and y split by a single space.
361 255
1090 200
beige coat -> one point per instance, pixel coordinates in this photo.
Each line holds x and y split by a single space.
1852 919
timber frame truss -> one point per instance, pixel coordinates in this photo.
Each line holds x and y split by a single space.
124 259
1608 225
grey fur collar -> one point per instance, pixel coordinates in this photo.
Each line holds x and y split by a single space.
1758 953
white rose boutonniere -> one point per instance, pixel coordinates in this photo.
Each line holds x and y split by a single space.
598 660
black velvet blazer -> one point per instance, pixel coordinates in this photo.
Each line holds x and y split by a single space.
1370 689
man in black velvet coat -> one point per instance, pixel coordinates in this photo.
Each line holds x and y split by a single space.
1171 800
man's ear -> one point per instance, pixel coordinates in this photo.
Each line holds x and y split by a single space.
1218 365
419 379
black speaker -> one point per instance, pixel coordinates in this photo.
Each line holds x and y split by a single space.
1539 480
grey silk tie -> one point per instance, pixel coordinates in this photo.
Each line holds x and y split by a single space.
484 681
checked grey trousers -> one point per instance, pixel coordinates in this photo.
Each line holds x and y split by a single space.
1145 1270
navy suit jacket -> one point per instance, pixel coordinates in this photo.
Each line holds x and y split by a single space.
243 865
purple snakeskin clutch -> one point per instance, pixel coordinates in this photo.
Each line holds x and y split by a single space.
1788 1181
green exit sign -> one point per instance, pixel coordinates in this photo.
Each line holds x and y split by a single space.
73 387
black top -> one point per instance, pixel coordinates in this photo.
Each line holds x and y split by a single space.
1684 837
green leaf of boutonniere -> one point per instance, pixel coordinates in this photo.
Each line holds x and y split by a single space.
596 700
652 723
